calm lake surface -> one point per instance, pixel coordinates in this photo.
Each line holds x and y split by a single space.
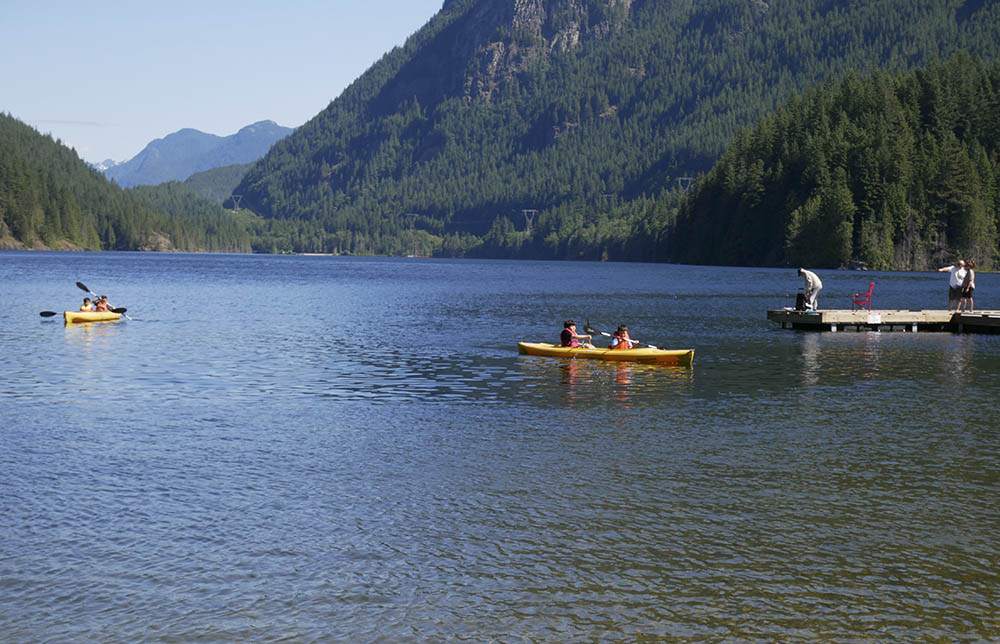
320 449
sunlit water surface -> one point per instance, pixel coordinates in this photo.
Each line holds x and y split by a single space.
318 449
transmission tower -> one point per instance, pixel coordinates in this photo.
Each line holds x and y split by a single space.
412 216
529 218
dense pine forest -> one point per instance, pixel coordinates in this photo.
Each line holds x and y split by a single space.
898 172
49 198
590 129
566 128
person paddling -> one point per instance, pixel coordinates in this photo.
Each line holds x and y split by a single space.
102 304
620 339
570 338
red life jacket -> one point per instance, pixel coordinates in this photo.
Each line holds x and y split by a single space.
573 342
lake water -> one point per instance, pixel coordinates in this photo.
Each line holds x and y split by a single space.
320 449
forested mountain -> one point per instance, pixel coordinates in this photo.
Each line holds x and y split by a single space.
217 184
216 229
177 156
564 128
900 172
50 198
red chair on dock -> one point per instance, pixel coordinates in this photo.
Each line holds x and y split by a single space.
861 301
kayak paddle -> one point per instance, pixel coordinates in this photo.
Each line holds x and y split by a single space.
83 287
48 314
591 330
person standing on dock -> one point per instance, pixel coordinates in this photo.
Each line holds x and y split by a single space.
968 287
955 282
813 286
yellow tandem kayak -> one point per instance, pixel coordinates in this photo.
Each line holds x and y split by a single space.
679 357
72 317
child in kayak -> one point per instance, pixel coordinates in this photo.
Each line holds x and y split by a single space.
87 306
620 338
570 338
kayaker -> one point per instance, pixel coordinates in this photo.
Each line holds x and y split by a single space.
102 304
620 339
87 306
570 338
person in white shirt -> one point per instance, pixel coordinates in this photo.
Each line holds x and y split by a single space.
968 288
813 286
955 282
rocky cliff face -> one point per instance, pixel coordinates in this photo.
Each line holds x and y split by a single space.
513 37
498 39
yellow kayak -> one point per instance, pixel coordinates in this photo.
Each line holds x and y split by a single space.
72 317
679 357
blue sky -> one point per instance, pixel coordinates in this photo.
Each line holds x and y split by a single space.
109 76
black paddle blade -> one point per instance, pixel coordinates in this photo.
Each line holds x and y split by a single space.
83 287
121 310
589 329
47 314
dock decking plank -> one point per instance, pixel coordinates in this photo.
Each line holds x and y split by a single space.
890 320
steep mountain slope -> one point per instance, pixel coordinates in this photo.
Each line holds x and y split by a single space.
177 156
545 127
216 185
900 172
50 198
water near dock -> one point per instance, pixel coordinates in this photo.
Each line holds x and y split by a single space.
322 449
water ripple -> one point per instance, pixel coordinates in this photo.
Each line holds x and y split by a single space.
325 450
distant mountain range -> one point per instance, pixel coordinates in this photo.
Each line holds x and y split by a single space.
590 129
52 199
177 156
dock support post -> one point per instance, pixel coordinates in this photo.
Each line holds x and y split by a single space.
914 327
833 327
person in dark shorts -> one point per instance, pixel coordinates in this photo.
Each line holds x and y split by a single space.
968 287
955 281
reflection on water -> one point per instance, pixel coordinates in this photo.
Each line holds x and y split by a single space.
856 356
828 358
597 382
84 336
323 449
810 359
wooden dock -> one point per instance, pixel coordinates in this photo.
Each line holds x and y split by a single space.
895 320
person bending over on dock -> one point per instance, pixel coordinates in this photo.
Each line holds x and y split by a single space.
968 287
570 338
813 286
955 282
